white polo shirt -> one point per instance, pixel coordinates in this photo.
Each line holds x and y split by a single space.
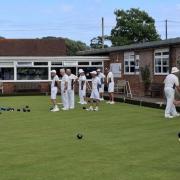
110 77
95 82
81 79
64 80
54 80
71 80
171 81
101 76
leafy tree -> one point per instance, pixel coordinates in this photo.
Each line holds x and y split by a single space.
96 42
74 46
133 26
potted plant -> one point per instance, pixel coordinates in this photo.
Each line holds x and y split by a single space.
146 77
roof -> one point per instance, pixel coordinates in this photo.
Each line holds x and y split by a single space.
32 47
146 45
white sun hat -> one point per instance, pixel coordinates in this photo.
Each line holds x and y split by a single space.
174 70
93 72
81 71
53 71
98 70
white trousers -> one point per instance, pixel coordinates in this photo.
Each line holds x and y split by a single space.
82 94
65 99
170 107
71 98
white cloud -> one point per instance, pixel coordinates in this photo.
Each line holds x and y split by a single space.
178 6
66 8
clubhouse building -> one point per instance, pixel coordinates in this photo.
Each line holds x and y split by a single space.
25 64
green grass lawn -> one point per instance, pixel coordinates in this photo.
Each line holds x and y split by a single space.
121 142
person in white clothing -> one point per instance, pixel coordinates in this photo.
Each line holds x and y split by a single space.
95 96
70 91
171 83
64 88
101 76
54 90
82 87
110 83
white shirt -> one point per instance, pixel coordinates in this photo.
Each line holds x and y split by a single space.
101 76
171 81
54 80
110 77
81 79
71 80
95 83
64 80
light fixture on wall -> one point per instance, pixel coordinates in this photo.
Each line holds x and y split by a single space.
117 60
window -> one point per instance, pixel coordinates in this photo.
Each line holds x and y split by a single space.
40 63
6 73
83 63
87 71
99 63
129 63
161 61
32 73
24 64
56 63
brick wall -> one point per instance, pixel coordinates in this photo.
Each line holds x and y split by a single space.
146 58
9 87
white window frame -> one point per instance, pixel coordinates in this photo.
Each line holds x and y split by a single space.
127 58
161 57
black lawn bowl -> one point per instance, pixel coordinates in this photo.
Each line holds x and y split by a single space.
24 110
179 135
84 108
28 110
19 110
27 107
79 136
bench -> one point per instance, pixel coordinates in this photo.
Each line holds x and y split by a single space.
156 89
27 87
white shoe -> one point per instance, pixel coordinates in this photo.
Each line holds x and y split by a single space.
65 109
84 102
176 115
71 108
101 99
90 109
108 102
96 109
55 109
168 116
112 102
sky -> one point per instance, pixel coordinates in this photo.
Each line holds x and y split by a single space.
79 19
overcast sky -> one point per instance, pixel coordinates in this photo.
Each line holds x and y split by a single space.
79 19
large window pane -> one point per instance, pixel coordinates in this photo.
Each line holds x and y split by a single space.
6 73
40 63
87 71
32 73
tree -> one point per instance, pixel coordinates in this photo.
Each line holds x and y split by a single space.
133 26
74 46
96 42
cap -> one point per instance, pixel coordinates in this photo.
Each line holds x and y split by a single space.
81 71
53 71
174 70
93 72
